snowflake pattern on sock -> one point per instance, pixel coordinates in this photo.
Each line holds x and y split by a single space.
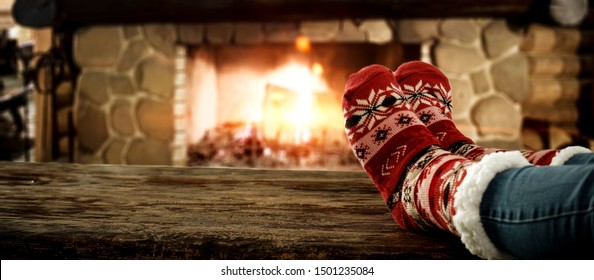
433 105
424 94
394 123
366 112
445 99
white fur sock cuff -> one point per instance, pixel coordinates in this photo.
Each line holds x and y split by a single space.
565 154
468 199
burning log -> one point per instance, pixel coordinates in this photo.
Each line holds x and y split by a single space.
241 145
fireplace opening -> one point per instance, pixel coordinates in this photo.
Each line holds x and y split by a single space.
274 105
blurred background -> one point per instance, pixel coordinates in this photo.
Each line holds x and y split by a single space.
258 83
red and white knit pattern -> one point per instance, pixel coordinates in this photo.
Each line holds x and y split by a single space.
431 98
384 133
415 177
539 158
418 179
426 193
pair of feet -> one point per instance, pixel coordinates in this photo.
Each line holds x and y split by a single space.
431 176
427 90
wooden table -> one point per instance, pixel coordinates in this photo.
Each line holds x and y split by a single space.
70 211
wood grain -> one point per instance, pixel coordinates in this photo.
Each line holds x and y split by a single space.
69 211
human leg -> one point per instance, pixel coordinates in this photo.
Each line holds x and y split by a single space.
424 186
541 212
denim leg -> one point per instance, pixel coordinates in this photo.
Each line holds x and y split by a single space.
586 158
541 212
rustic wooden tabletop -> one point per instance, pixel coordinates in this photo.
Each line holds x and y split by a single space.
70 211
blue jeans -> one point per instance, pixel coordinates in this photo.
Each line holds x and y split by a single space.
543 212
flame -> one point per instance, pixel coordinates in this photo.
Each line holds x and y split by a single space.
299 115
300 107
317 69
302 43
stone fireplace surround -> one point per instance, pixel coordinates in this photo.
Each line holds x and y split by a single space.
131 97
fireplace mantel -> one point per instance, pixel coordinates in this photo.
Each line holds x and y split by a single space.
55 12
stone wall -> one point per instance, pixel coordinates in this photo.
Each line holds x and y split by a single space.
501 75
125 95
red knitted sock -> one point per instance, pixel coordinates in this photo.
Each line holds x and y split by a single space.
424 186
415 177
428 91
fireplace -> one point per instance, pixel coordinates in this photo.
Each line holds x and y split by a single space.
266 93
274 104
201 98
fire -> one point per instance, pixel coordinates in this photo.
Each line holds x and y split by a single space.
317 69
302 43
290 102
